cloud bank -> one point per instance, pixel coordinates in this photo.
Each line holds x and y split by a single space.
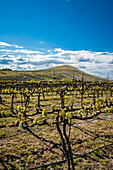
18 58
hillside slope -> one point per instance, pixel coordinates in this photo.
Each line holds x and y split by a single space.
55 73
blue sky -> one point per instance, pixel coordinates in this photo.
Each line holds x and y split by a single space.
56 27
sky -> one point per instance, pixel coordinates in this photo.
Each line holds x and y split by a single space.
38 34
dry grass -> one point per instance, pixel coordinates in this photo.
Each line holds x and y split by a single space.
55 73
31 152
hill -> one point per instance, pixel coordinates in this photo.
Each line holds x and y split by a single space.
55 73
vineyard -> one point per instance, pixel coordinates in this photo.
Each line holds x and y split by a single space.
56 125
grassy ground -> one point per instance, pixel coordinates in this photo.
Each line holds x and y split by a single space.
29 151
55 73
19 149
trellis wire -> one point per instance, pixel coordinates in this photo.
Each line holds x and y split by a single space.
62 161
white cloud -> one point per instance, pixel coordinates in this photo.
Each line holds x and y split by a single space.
17 46
5 44
96 63
10 45
5 50
25 51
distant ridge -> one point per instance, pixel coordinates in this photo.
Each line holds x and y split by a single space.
55 73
